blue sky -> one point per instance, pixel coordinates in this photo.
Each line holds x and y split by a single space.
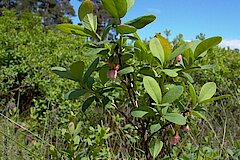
189 17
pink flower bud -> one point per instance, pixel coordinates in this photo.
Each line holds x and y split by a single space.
179 58
175 139
116 67
187 128
112 74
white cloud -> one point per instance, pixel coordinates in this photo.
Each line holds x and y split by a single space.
153 10
233 43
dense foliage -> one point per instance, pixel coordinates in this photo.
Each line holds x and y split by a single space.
38 122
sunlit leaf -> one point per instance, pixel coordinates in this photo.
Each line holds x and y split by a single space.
156 49
207 91
125 29
153 89
141 22
166 46
206 45
117 8
192 93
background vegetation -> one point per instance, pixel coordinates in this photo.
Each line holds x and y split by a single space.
37 122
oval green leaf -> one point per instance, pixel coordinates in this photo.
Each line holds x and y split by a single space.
125 29
153 89
206 45
166 46
85 8
207 91
175 118
74 94
170 72
192 93
77 69
157 49
91 68
154 128
155 147
117 8
130 3
126 70
90 22
62 72
87 103
73 29
138 114
173 94
141 22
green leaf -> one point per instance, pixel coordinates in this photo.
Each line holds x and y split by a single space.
155 147
173 94
175 118
216 98
208 66
103 74
62 72
181 49
154 128
78 128
138 113
126 70
166 46
156 49
126 57
85 8
116 8
142 21
170 72
206 45
76 140
106 31
90 82
188 76
77 69
130 3
91 69
153 89
90 22
192 93
125 29
73 29
207 91
147 71
87 103
74 94
199 115
95 51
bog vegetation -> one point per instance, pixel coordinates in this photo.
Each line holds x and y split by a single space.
86 94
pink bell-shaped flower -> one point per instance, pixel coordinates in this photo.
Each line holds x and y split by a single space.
179 58
187 128
175 139
112 74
